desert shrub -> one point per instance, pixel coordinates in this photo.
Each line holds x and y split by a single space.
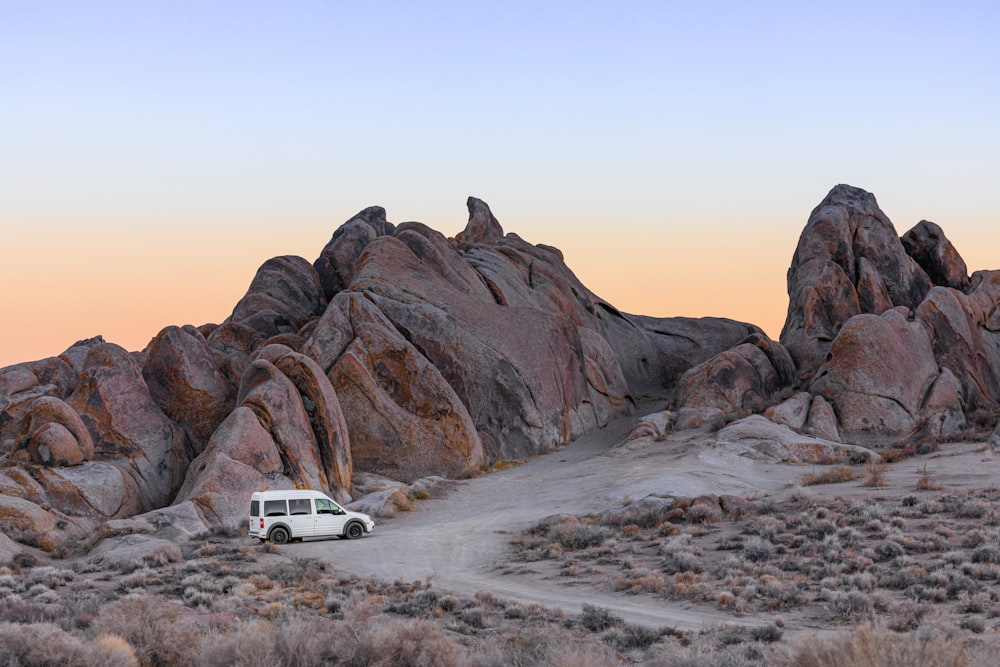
973 509
835 476
152 626
641 581
876 474
43 645
24 560
629 637
645 513
766 633
597 619
577 535
887 551
297 571
758 549
849 606
253 644
403 644
973 624
681 560
986 554
928 483
873 646
703 512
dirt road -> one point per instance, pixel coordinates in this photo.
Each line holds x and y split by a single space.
461 542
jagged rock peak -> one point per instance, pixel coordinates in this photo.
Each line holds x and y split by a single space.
849 261
482 226
854 199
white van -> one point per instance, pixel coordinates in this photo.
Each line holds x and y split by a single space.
281 516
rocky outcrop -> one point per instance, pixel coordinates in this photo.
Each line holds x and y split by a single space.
338 261
740 381
849 261
53 434
405 353
931 249
757 438
186 382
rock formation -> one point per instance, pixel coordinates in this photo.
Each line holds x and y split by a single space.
398 351
402 353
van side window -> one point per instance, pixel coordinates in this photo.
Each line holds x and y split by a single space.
324 506
299 506
275 508
254 508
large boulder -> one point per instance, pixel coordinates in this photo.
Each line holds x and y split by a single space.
240 458
338 260
53 434
848 261
186 382
128 428
404 418
280 408
927 244
760 439
879 373
740 381
283 296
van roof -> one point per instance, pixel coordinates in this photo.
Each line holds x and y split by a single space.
288 493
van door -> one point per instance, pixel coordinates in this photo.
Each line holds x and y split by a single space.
301 517
330 518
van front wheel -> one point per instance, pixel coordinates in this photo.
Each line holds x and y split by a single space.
354 531
279 535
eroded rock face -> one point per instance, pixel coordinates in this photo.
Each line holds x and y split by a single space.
931 249
848 261
186 382
740 381
403 418
54 434
337 262
127 426
240 458
284 295
880 371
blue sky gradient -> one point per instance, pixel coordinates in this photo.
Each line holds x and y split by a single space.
155 153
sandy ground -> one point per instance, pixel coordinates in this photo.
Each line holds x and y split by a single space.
461 541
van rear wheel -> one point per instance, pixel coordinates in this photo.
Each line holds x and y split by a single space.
354 531
279 535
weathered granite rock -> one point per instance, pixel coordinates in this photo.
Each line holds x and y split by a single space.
482 226
792 412
740 381
338 260
962 343
931 249
709 419
822 420
403 418
283 296
53 434
758 438
848 261
240 458
276 402
186 382
879 373
127 426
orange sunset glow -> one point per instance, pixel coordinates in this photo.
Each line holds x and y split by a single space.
154 158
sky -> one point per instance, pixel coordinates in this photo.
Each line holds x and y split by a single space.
154 154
